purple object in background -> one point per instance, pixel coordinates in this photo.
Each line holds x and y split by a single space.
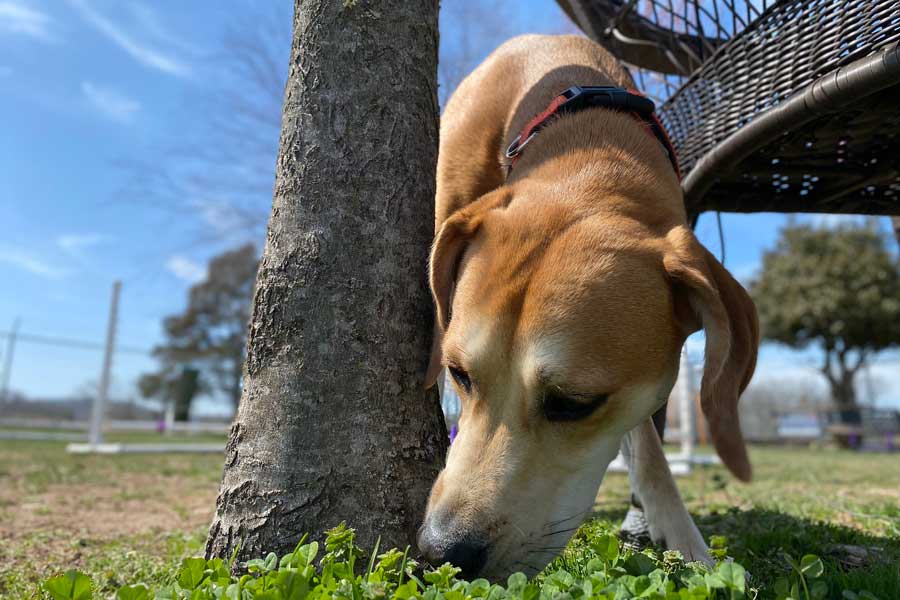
453 431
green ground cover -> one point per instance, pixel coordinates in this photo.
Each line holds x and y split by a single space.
133 518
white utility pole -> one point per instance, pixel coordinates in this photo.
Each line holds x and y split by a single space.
686 406
8 361
99 407
169 417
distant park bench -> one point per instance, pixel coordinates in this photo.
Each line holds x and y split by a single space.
869 428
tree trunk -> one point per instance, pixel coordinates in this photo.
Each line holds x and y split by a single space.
844 395
843 392
185 392
333 423
895 222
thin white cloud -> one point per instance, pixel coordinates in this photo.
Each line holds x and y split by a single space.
127 41
223 218
110 102
76 245
73 242
20 18
31 264
149 21
186 269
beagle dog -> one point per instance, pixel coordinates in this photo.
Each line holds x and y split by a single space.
566 279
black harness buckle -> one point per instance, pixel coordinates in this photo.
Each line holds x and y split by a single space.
606 96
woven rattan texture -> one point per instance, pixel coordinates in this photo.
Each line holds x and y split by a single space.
791 45
847 162
726 62
663 41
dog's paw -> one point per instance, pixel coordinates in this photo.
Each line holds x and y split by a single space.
695 553
689 542
639 532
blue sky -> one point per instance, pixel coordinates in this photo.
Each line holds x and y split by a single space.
95 94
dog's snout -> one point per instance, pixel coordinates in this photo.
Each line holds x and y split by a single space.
468 555
440 545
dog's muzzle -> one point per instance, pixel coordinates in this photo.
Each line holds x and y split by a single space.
441 542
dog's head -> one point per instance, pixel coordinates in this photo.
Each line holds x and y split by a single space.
562 331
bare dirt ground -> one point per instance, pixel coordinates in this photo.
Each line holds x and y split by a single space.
121 508
59 511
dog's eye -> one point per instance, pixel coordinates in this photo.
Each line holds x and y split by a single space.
461 378
563 408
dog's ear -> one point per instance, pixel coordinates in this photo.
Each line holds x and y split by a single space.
707 296
450 244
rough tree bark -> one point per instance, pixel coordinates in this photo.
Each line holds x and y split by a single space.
333 423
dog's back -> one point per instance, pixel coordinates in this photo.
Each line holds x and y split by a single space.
512 85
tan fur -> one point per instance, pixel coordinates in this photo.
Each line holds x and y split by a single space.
578 273
732 336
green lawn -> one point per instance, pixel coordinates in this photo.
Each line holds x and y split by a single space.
130 518
843 506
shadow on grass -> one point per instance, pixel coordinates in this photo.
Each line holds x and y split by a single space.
758 539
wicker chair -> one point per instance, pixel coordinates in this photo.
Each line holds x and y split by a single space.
772 105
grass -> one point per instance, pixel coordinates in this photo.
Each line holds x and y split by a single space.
134 437
131 518
843 506
121 517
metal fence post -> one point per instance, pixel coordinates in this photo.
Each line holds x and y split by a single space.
99 406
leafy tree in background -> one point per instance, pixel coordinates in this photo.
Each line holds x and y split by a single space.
173 385
209 336
839 288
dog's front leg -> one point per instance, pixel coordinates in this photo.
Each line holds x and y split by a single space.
652 483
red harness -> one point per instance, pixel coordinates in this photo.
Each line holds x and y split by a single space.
613 98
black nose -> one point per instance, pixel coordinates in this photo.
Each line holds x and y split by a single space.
462 550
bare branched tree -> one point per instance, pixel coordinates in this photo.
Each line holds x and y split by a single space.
469 31
223 168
